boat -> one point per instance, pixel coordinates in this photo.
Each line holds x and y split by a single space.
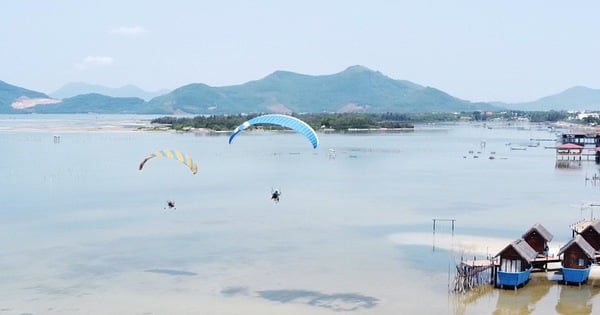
518 148
515 264
578 257
513 278
572 275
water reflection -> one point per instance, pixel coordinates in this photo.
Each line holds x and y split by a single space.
462 301
539 296
577 299
523 300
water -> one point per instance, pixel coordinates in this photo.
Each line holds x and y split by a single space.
84 232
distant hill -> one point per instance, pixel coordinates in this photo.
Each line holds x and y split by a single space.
80 88
356 89
93 103
576 98
14 99
10 94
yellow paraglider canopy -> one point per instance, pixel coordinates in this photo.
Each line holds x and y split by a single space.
173 154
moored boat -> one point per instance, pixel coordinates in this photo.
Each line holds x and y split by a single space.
578 257
515 264
513 278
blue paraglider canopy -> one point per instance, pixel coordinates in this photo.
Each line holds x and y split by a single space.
280 120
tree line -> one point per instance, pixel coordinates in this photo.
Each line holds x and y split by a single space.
345 121
337 121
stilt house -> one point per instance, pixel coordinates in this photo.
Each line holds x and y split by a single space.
538 237
591 234
515 264
578 257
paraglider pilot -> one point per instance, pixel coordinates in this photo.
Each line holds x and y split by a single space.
170 204
275 195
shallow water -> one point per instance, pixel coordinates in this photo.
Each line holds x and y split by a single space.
84 232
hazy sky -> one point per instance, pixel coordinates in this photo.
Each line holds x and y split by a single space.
476 50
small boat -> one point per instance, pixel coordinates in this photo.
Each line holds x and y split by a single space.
514 278
578 257
518 148
572 275
515 264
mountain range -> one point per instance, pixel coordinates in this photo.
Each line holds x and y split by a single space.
577 98
80 88
356 89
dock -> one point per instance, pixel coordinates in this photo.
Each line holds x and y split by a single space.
576 147
540 263
471 274
511 267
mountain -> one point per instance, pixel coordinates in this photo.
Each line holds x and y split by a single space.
356 89
80 88
576 98
14 99
93 103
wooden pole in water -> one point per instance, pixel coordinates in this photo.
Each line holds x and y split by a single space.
451 220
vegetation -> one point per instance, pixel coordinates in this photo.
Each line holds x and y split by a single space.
316 121
533 116
345 121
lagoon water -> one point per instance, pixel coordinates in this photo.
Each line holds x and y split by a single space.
82 231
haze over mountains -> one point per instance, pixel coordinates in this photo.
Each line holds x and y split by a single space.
356 89
576 98
80 88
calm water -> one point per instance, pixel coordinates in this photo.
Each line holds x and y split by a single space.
84 232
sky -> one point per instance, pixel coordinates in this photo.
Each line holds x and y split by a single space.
479 50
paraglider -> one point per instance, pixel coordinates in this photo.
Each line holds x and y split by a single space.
275 195
281 120
170 205
173 154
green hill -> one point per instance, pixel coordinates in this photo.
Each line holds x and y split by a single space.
356 89
575 98
79 88
10 94
94 103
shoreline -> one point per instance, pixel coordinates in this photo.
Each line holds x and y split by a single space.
70 129
73 123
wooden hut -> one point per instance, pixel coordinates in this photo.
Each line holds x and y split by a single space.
578 256
591 234
538 237
515 264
